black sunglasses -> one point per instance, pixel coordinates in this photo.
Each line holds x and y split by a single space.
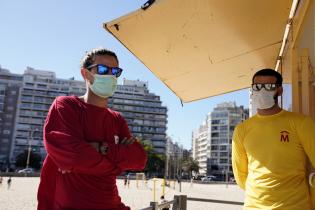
103 69
268 86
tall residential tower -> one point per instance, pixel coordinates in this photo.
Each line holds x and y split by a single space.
212 140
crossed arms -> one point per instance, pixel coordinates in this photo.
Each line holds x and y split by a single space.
65 144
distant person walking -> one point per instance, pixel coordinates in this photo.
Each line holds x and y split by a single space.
9 182
125 181
128 180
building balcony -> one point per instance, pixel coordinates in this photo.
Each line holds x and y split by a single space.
136 109
145 125
138 104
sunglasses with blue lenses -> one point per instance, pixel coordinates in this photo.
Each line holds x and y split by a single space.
103 69
268 86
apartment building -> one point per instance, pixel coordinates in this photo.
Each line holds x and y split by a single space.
201 144
224 119
10 85
213 139
174 155
38 91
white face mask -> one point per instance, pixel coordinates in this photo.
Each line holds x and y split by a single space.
263 99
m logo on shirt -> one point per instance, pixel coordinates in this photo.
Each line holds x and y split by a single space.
284 136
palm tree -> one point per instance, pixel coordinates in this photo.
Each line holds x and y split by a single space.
190 165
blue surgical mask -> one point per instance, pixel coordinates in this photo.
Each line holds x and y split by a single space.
104 85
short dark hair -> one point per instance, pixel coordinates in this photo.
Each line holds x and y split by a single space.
89 57
269 72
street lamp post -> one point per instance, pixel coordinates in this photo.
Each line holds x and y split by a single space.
166 159
30 146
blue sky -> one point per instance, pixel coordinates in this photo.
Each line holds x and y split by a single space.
54 35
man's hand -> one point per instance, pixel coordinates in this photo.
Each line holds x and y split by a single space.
126 141
101 147
64 171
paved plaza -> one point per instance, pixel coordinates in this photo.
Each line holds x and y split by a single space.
22 194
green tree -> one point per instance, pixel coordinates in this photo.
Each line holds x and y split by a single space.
35 159
148 147
190 165
156 162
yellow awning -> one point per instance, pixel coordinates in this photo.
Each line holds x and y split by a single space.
205 48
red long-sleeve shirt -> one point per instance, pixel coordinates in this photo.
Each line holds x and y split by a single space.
69 126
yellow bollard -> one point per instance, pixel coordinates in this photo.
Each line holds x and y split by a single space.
163 188
154 188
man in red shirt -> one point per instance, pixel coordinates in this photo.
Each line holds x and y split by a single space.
88 144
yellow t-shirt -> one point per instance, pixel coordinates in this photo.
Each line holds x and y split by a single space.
269 160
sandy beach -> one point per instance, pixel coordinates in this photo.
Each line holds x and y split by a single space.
22 194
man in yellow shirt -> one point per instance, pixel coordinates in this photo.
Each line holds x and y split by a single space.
270 150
